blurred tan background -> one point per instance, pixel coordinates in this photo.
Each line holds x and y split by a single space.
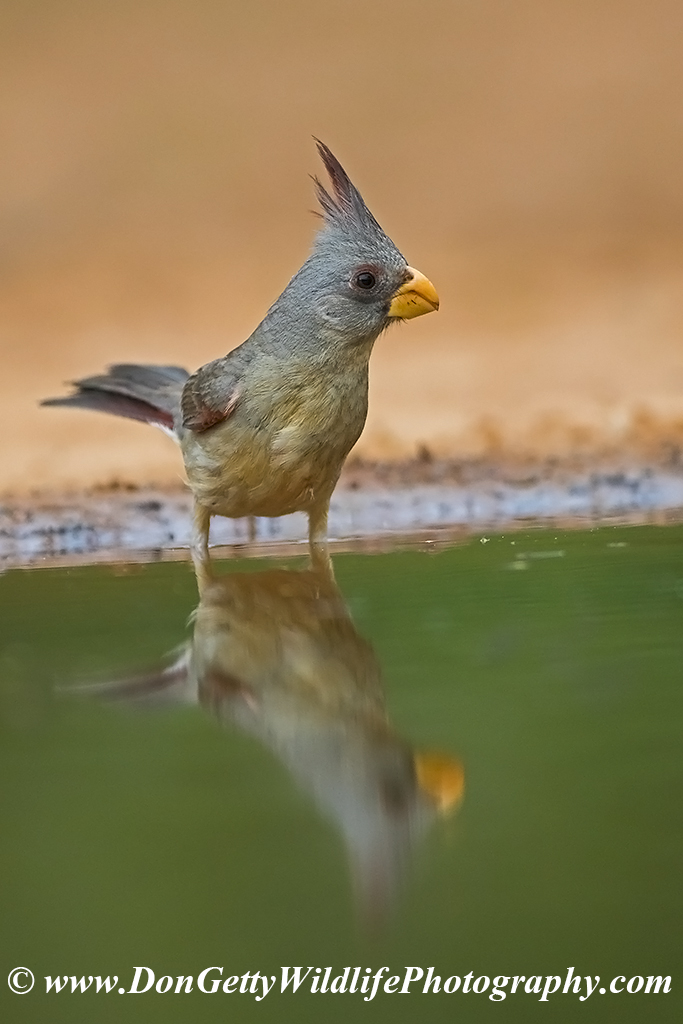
526 156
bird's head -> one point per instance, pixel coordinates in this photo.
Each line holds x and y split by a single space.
356 280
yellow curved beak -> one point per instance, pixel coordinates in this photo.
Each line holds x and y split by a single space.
441 777
414 298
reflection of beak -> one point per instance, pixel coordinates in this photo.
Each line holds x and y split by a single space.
442 778
415 297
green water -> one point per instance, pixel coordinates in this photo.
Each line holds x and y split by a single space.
181 835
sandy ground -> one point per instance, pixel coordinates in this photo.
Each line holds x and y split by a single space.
527 157
425 499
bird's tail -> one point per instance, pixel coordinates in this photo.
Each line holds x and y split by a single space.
150 394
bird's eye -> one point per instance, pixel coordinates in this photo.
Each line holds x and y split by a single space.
366 280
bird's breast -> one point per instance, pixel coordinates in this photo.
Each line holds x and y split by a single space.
278 456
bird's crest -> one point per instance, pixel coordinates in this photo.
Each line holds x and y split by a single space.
344 207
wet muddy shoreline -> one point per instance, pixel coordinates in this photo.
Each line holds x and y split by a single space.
375 503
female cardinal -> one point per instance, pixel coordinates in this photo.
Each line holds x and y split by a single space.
265 430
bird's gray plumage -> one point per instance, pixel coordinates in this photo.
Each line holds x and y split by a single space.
265 429
317 314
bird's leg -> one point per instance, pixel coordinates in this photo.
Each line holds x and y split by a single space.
201 521
317 537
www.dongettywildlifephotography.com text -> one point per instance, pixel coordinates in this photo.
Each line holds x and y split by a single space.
367 982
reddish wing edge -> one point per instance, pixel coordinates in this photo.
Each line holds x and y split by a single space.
201 416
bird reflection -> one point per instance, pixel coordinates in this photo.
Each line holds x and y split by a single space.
276 654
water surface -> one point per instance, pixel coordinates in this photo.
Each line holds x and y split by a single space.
467 758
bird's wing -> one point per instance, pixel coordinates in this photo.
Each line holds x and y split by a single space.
210 395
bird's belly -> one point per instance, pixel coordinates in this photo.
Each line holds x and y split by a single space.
239 473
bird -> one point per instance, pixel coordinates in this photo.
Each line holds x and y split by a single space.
265 429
